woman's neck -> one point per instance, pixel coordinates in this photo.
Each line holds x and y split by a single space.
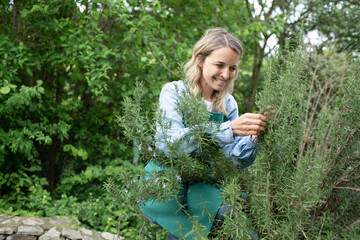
207 93
209 99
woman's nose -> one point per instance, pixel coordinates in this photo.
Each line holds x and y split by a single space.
225 73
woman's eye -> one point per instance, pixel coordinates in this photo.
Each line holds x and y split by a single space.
233 69
219 65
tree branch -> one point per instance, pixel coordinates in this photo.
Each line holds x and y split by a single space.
248 8
350 188
14 22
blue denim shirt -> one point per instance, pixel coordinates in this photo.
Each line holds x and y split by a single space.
240 150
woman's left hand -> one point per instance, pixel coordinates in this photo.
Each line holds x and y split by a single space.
248 124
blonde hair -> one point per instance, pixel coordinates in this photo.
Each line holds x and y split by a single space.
213 39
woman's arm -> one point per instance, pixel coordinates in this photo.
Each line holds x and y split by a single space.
168 104
241 150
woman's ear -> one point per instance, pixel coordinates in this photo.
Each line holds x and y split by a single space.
199 59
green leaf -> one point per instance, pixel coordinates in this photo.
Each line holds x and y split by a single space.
5 90
88 174
83 154
28 70
132 30
24 13
257 26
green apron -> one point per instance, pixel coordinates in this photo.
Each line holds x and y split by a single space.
201 201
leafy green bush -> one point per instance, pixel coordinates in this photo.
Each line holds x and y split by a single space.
66 65
305 181
91 207
64 71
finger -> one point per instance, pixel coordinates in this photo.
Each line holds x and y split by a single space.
254 116
253 128
244 133
245 123
254 122
257 128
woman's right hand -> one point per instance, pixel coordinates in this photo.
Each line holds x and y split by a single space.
248 124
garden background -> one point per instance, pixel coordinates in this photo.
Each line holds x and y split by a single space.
66 67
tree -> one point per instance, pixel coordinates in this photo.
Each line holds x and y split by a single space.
58 92
336 21
284 20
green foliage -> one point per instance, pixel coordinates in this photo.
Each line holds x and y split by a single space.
141 128
305 180
66 67
90 206
303 184
56 115
180 166
337 21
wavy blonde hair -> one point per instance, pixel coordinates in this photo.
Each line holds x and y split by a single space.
213 39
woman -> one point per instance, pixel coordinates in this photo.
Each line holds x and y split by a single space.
211 72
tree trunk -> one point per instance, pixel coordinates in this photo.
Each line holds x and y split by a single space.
254 82
14 20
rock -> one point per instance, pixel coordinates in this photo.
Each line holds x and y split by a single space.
71 234
54 231
7 230
3 218
85 231
110 236
17 219
30 230
96 235
60 221
87 238
33 221
52 234
23 237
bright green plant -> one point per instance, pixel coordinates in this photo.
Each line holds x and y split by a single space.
66 66
56 114
305 180
139 126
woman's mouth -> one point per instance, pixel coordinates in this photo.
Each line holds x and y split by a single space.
220 82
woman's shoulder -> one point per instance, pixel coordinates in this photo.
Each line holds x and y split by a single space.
230 103
173 88
169 95
175 85
230 98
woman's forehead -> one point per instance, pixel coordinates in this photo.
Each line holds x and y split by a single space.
224 54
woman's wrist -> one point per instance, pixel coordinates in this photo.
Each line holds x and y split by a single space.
254 138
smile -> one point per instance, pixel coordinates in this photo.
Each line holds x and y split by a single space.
221 82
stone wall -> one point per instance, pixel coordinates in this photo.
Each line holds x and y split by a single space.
24 228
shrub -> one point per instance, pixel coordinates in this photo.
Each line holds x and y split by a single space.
305 181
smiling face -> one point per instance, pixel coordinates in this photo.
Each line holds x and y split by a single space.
218 69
